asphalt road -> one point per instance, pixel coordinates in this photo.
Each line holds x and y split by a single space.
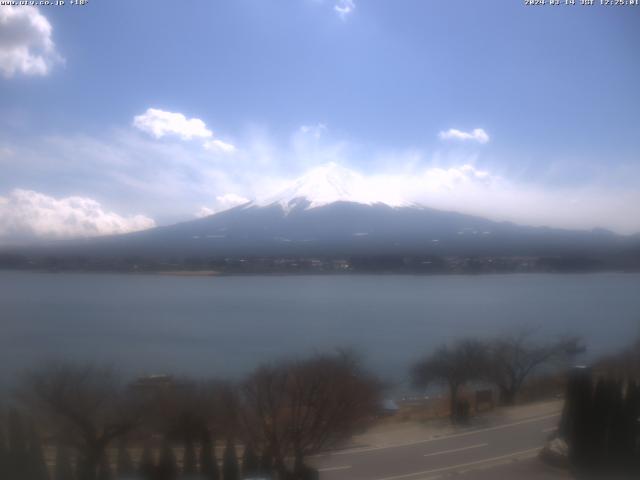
471 453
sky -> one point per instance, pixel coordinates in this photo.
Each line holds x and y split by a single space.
118 116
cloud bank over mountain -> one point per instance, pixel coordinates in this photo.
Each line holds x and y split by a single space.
29 214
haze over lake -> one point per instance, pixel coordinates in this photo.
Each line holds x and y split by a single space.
226 325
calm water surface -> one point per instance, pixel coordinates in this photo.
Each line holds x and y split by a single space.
226 325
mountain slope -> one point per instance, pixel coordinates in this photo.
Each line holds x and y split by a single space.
330 212
347 228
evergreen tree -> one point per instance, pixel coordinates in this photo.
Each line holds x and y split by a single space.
146 468
599 424
617 429
18 453
576 426
86 468
266 462
124 464
37 465
632 422
17 436
189 459
250 462
104 469
230 470
167 466
304 472
63 469
78 468
4 454
208 461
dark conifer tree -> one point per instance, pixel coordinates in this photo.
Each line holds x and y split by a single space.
632 422
17 436
250 462
230 469
37 464
305 472
4 453
18 452
575 425
104 469
189 460
599 424
86 469
266 462
63 469
124 464
167 466
208 461
617 429
146 467
78 468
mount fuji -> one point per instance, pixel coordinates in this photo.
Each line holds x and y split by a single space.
330 212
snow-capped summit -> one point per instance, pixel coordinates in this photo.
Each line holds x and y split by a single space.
326 184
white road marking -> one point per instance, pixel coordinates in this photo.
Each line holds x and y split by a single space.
461 465
456 450
331 469
548 430
445 437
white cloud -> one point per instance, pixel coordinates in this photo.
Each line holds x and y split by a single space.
344 8
26 46
160 123
477 135
25 213
315 131
204 212
223 202
230 200
220 146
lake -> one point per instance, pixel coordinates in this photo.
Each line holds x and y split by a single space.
225 326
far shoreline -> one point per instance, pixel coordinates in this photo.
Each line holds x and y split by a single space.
217 273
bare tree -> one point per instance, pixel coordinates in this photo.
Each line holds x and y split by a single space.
187 409
264 405
453 366
302 407
515 357
330 397
84 406
190 412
